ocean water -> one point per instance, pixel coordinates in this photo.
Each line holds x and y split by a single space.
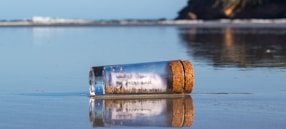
239 72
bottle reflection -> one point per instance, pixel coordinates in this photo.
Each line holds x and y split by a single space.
156 112
237 47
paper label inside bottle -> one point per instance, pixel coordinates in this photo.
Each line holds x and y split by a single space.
138 82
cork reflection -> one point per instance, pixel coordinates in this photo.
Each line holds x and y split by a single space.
237 47
152 112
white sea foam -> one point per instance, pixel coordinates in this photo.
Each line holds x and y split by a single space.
49 20
182 22
39 20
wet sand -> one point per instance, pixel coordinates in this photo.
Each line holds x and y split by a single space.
239 83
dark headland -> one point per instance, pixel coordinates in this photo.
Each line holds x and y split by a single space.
233 9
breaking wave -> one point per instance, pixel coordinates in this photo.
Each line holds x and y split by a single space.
39 20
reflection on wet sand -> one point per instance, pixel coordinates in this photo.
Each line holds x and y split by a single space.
155 112
43 35
237 47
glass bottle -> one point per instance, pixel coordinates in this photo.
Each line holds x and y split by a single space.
173 76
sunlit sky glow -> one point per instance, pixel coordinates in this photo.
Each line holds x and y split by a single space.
91 9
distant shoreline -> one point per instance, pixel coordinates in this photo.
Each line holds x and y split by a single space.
266 23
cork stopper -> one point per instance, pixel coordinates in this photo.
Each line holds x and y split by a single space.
189 76
178 79
182 76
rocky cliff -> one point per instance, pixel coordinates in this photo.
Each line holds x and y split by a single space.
233 9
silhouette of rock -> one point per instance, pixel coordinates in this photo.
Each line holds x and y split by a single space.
242 9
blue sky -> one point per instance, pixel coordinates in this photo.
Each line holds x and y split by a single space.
91 9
